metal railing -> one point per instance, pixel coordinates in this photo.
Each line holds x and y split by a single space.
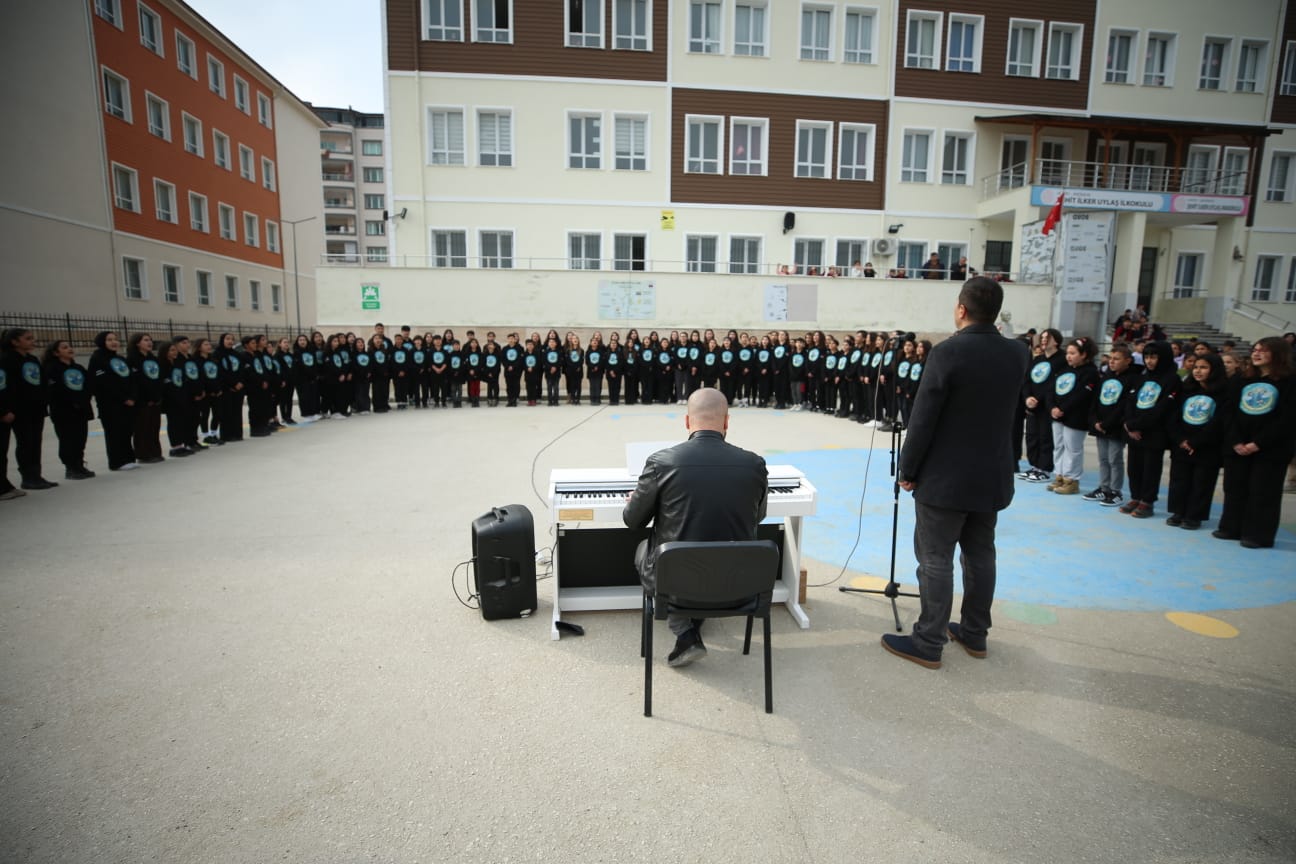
1261 316
1122 176
346 178
339 202
80 330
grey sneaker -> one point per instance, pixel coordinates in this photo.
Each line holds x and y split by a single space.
1096 495
13 492
1112 499
688 648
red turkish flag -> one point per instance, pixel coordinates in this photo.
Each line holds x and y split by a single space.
1054 215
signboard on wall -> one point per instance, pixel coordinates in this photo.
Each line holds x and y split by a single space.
1088 240
791 302
626 300
369 298
668 220
1147 202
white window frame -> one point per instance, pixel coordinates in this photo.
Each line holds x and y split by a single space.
221 150
1110 71
498 261
574 154
265 110
251 230
865 54
818 50
377 147
701 161
953 176
631 156
860 244
182 40
493 34
122 112
1077 47
376 254
1221 80
693 250
131 203
247 163
705 43
1287 80
272 235
232 301
226 228
1290 295
850 172
134 291
178 298
746 266
756 44
110 11
447 155
254 295
977 21
1014 69
1256 84
194 147
276 297
632 40
449 260
914 269
198 214
761 165
203 287
375 171
375 201
1228 185
1275 277
1046 174
268 181
583 262
914 60
171 214
913 170
583 38
630 264
1286 192
443 32
1179 289
1208 182
244 102
164 131
378 228
147 14
801 248
215 82
503 152
1167 74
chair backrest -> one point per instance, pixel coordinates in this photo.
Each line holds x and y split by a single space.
714 572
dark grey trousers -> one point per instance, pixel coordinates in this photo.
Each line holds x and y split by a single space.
936 532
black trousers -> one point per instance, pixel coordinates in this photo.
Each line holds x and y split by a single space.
118 424
1143 465
231 415
72 433
573 381
27 431
1018 429
1192 485
512 387
1253 491
596 389
286 402
936 532
533 381
6 432
551 385
614 389
308 397
381 395
1039 443
147 442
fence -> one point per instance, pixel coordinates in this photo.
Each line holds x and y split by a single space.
80 330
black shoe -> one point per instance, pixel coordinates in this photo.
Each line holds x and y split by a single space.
263 432
1219 534
150 460
1251 544
1191 524
177 452
903 646
38 484
688 648
81 473
1174 521
974 647
290 422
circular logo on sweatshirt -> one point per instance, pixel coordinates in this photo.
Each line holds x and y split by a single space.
831 361
613 359
380 356
915 371
1041 371
438 358
1148 395
177 377
531 361
455 362
191 370
814 355
1064 384
726 356
647 355
398 356
511 355
693 353
233 362
744 354
256 364
798 360
73 379
779 351
362 359
594 357
212 371
552 357
682 352
119 366
1198 410
709 359
877 360
886 358
151 369
763 356
491 361
4 380
664 358
1110 392
287 360
474 359
902 371
419 357
1259 398
31 373
308 359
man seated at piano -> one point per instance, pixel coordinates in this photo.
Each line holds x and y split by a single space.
703 489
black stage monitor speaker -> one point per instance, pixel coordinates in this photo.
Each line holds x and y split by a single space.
503 548
789 221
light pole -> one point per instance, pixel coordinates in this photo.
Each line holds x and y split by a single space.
296 276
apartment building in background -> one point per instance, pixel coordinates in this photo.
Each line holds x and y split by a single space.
353 168
748 138
168 174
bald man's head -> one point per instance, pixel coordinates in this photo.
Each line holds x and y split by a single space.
708 409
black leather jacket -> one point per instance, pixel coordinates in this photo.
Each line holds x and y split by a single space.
702 489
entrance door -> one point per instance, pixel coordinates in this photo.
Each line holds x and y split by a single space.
1012 163
1147 276
1110 170
1055 161
1148 173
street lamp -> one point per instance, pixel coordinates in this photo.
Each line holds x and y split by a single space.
296 275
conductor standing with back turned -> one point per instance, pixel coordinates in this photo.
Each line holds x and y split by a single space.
957 461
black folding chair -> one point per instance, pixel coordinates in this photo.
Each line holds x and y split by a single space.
724 579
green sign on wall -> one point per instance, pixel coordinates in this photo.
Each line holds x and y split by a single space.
369 297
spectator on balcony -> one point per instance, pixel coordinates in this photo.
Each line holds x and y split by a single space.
857 269
869 272
933 269
959 272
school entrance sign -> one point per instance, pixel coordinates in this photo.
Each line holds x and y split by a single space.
369 297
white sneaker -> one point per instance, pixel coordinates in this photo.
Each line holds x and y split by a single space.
129 466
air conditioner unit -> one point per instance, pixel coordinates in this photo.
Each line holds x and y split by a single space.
883 247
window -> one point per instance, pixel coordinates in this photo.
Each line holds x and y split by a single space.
1055 160
373 175
744 254
808 255
1188 269
629 251
855 152
150 26
231 292
492 20
1012 162
204 287
1280 177
109 11
1266 275
171 283
955 158
497 249
133 278
267 174
1214 63
1199 172
116 95
272 236
584 140
221 149
164 201
494 138
747 146
949 255
444 20
276 298
251 230
1064 52
126 188
371 147
1287 86
198 212
242 96
225 215
1251 66
700 254
1120 54
816 33
449 249
193 142
375 228
704 27
216 76
1233 177
375 202
159 116
1290 295
1158 62
186 56
858 46
631 143
446 138
703 145
584 251
264 116
848 252
376 254
749 29
254 295
916 157
247 169
964 48
1024 48
912 257
584 23
922 40
630 24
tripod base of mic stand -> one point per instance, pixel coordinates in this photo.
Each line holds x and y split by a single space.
892 591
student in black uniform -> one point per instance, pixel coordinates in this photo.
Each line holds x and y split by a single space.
1069 406
664 386
1039 431
420 386
208 409
26 385
595 364
1197 441
615 365
230 408
573 368
114 392
456 372
473 369
632 357
514 360
553 365
1146 411
8 491
291 377
68 393
492 365
146 437
307 378
533 371
339 376
194 396
257 385
692 376
377 368
400 369
828 380
709 370
171 370
1106 424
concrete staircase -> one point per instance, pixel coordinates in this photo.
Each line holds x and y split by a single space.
1197 329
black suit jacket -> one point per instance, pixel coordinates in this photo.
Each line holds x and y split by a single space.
702 489
958 451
